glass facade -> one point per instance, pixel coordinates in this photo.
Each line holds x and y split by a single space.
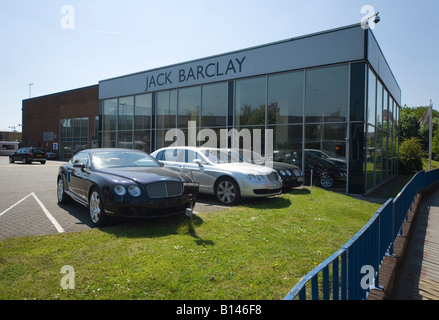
73 136
382 135
340 113
126 122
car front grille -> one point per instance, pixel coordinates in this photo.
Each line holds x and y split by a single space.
164 189
152 213
273 177
267 191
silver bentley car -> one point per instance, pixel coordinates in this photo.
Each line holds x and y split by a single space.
220 174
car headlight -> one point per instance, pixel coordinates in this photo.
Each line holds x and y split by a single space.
134 191
120 190
256 178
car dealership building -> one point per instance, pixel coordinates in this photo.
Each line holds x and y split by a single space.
331 91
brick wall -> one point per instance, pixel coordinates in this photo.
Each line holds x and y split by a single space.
42 114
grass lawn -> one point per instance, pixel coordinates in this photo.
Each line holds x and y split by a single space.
434 164
255 251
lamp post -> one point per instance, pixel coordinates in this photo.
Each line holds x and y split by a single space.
430 133
30 86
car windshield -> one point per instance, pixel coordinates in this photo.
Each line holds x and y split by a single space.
249 156
117 159
220 156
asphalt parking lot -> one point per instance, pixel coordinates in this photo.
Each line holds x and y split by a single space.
28 204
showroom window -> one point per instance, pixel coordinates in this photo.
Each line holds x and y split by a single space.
125 114
73 136
370 157
250 102
143 112
142 122
285 98
379 107
189 103
371 99
214 105
166 109
327 94
126 122
288 144
109 114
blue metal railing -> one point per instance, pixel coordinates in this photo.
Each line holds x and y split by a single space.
352 271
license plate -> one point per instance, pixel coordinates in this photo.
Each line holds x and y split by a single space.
300 179
39 155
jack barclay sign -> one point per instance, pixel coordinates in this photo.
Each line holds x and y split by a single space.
199 72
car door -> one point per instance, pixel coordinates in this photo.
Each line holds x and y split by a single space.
199 171
23 152
17 156
172 158
77 175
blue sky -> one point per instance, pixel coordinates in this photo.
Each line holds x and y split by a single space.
113 38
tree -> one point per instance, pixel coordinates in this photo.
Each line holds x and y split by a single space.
410 155
435 143
424 132
409 125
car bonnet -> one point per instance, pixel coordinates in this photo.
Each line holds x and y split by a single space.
144 175
245 168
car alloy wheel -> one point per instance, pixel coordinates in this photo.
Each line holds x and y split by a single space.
60 190
227 191
60 193
96 207
326 181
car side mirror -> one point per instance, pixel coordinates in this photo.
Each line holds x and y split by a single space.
79 165
198 161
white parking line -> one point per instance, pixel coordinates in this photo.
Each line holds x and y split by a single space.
51 218
15 204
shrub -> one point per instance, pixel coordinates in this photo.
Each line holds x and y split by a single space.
410 155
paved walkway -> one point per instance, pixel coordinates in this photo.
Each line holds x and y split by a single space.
418 278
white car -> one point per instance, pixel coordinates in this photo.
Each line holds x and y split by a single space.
220 175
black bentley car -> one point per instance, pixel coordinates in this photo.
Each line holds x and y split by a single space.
325 172
122 182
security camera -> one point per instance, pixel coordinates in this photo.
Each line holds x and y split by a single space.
377 18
